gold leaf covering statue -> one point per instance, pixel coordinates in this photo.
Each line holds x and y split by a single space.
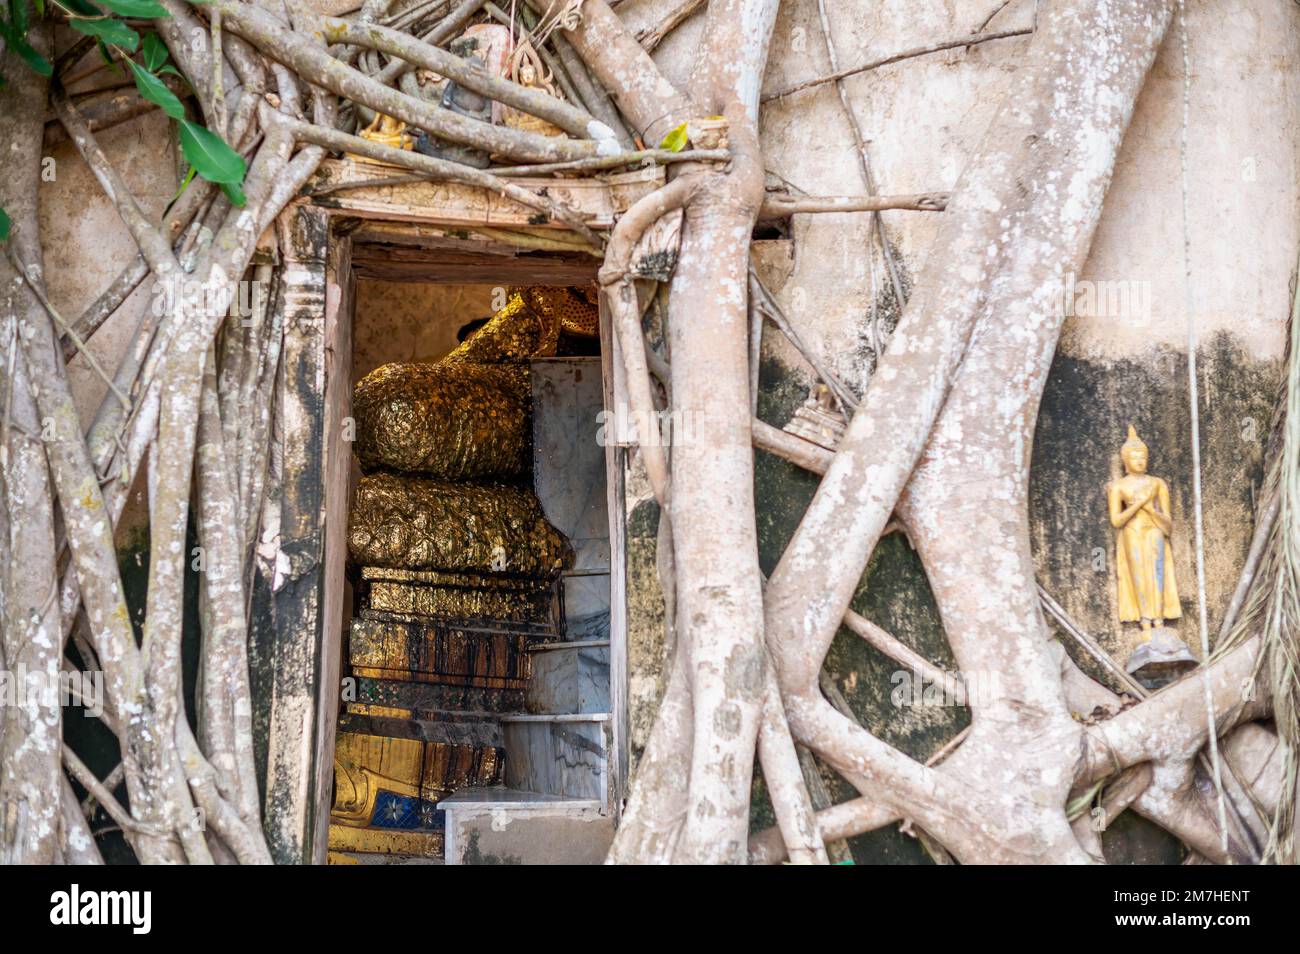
386 131
1148 592
1139 511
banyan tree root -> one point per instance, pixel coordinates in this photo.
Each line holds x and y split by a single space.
193 397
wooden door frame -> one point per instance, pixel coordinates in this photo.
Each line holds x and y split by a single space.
297 603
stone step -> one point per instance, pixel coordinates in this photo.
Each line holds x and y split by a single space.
569 677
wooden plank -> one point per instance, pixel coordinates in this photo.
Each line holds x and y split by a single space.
620 728
395 264
598 201
339 297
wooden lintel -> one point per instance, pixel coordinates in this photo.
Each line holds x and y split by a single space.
398 264
599 201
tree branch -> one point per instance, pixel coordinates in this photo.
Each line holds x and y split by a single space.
961 41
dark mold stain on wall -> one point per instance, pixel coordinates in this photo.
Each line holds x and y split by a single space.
893 593
1083 419
1085 413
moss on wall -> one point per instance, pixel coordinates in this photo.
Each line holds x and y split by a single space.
892 593
645 623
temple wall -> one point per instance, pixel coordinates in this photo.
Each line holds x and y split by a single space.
86 245
412 321
922 118
1118 361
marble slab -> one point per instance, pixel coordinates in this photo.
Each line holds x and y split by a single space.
555 757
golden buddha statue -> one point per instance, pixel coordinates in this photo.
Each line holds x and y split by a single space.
1139 511
386 131
1148 593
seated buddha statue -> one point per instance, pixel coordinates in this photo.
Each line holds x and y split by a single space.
386 131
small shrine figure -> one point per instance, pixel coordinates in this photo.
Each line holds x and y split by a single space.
818 419
1148 592
528 70
386 131
465 102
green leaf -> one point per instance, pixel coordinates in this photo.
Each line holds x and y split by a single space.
106 55
5 225
38 63
676 139
16 39
235 194
154 52
189 177
18 14
208 153
142 9
40 7
113 32
156 91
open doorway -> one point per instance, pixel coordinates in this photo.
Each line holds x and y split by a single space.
356 225
472 621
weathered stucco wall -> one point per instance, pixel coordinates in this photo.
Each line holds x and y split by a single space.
86 245
413 321
921 119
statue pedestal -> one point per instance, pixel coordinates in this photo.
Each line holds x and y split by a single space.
1161 659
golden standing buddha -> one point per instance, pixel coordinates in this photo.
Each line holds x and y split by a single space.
1147 592
1139 511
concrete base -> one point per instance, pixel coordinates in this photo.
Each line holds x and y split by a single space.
509 827
1162 658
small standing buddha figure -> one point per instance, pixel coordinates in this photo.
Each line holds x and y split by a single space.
1148 592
